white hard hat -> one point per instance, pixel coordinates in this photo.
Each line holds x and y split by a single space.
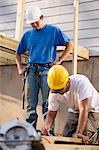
33 13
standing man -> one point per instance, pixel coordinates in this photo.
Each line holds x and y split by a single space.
40 41
81 97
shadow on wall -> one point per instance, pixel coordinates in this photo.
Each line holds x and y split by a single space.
11 109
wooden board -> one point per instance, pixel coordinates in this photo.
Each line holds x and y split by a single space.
82 52
49 143
69 147
8 47
57 139
7 42
7 50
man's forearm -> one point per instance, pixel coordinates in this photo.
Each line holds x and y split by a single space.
67 51
82 121
50 119
19 64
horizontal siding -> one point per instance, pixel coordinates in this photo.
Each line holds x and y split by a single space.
60 13
89 24
57 19
8 9
11 9
65 26
56 10
8 18
49 3
85 34
94 47
7 2
90 42
83 16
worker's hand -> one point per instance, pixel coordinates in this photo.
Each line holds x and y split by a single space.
44 131
84 138
21 73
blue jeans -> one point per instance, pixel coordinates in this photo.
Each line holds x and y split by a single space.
35 82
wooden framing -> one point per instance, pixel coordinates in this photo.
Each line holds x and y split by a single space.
82 52
8 47
7 51
69 147
56 143
56 139
75 36
20 19
7 42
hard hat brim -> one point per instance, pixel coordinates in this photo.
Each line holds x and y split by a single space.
32 21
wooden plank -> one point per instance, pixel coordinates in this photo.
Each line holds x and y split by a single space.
6 61
7 42
7 55
10 44
7 50
70 57
81 51
54 139
69 147
9 58
75 36
19 19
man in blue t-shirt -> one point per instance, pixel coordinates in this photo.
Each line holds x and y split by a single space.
40 41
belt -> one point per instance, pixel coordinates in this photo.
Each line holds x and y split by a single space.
43 65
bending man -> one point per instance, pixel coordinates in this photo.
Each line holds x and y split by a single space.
81 95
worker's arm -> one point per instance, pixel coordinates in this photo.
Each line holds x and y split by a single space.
66 52
19 64
83 116
48 122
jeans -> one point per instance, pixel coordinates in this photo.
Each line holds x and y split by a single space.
35 82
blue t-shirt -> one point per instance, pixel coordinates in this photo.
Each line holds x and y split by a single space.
41 44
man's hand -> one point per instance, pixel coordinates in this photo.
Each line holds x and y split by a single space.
21 73
84 138
44 131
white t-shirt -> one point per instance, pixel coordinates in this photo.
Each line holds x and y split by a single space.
80 89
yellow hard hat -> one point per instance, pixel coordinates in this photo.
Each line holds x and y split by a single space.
57 77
